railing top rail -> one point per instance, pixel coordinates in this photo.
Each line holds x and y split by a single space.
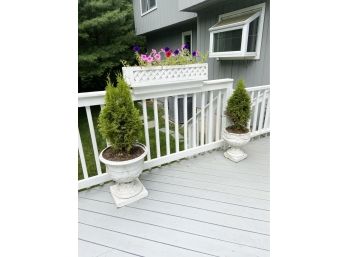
97 98
250 89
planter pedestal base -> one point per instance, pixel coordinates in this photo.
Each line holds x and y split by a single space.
127 193
235 154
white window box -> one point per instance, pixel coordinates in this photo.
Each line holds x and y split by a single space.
151 79
238 35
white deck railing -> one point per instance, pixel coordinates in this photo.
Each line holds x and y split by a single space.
200 134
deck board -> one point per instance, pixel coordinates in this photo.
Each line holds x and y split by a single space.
202 206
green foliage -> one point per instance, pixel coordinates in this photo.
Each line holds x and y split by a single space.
106 35
119 122
239 107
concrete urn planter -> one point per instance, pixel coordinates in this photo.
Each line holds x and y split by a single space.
128 187
235 141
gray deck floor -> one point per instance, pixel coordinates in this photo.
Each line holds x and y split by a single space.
203 206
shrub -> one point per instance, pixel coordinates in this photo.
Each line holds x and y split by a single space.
119 122
239 108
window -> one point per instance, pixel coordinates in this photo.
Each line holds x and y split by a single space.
187 39
238 35
147 6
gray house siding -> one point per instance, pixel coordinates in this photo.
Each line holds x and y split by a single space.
171 37
166 14
254 72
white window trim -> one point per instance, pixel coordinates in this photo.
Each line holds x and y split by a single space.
148 11
183 34
242 54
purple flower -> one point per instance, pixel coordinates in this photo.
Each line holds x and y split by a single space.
185 46
136 48
194 53
166 49
176 52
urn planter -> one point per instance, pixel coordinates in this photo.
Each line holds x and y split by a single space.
153 79
128 187
235 141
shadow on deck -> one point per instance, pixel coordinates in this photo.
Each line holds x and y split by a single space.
203 206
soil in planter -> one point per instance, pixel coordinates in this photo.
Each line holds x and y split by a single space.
232 129
111 155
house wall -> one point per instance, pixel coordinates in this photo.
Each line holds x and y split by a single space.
254 72
166 14
171 37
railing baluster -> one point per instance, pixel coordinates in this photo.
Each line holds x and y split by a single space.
262 112
202 117
82 159
185 121
194 120
256 110
101 107
266 125
251 107
166 124
211 117
94 141
146 129
176 124
218 117
224 104
158 145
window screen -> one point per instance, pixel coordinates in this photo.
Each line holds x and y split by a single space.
228 41
252 37
147 5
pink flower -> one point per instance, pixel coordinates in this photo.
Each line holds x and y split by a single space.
149 59
143 57
157 57
154 51
162 50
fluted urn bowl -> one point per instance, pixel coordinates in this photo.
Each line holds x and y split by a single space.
235 141
128 187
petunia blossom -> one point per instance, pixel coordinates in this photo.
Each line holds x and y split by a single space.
143 57
157 57
168 54
166 49
194 53
176 52
149 59
136 48
154 51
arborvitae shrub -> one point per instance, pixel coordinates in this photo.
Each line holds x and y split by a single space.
238 108
119 122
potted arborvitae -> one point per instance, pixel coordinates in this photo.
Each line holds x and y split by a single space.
238 112
119 123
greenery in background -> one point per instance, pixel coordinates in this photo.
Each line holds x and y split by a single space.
119 122
106 35
101 143
238 108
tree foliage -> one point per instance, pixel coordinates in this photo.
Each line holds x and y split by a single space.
106 35
239 107
119 121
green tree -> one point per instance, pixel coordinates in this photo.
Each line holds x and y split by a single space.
106 36
119 121
239 108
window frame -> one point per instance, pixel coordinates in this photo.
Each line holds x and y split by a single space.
244 25
148 11
187 33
